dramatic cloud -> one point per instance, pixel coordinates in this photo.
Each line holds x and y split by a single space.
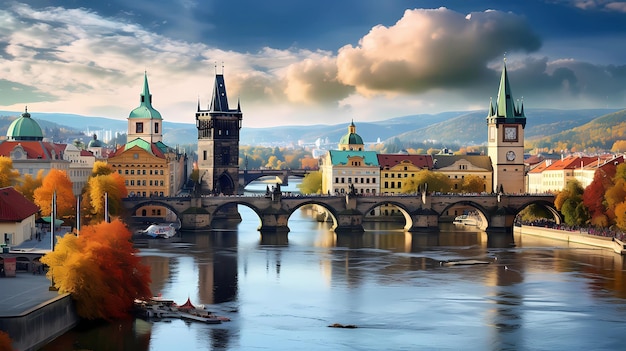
432 49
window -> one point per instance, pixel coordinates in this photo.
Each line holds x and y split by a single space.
161 172
336 179
373 180
156 127
139 127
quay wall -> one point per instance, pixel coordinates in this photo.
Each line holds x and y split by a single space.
575 237
38 326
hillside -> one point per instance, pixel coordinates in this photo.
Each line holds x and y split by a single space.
545 127
599 133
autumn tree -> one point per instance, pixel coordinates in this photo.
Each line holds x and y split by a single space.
113 185
570 203
593 197
100 269
101 168
8 175
59 181
433 181
29 184
473 184
311 184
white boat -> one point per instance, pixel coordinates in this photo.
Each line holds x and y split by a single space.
465 220
163 231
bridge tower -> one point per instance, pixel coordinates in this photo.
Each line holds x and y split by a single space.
505 144
218 143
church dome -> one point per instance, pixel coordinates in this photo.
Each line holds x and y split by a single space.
24 128
352 138
94 142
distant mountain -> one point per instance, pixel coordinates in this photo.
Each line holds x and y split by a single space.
462 128
470 128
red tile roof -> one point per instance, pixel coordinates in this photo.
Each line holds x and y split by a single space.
390 160
14 207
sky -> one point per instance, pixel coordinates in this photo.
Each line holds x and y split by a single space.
309 62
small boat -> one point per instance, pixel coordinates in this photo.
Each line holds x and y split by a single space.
465 220
160 308
162 231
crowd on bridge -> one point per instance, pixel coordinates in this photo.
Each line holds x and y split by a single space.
598 231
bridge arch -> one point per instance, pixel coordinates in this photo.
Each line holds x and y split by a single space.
332 211
408 221
483 213
155 202
557 216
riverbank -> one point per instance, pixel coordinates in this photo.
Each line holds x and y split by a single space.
614 244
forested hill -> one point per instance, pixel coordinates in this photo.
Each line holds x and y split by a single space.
607 132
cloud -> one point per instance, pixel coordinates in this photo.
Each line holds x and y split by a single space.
604 5
432 49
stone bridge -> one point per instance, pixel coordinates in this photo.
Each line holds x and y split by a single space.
248 176
421 211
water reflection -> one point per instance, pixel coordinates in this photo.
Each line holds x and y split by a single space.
394 285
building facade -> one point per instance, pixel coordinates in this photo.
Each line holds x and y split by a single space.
149 167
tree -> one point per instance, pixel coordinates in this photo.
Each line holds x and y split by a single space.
100 269
593 198
101 168
56 180
114 186
435 181
473 184
570 202
8 175
30 184
311 184
620 215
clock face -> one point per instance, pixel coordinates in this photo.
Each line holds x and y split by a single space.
510 155
510 133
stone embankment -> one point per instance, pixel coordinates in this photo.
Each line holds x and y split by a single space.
614 244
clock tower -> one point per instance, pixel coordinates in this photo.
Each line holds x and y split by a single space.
505 140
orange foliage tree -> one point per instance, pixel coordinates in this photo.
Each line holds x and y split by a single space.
8 175
100 270
29 184
59 181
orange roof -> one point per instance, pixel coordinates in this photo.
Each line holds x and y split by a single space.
14 207
570 162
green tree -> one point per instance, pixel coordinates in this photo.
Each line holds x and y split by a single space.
312 183
571 204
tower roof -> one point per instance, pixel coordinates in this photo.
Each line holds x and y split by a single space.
145 109
505 107
24 128
219 102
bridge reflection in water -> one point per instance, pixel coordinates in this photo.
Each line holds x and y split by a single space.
422 212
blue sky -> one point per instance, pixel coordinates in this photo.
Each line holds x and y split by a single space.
301 63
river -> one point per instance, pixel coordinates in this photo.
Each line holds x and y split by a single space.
397 288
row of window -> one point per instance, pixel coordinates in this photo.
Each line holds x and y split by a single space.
393 175
143 182
139 127
361 191
356 180
144 194
141 172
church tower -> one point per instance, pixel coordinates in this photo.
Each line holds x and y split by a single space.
218 143
144 122
506 122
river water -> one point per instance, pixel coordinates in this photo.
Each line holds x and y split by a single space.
398 289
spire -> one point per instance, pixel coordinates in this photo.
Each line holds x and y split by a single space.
238 105
219 103
505 102
146 97
198 110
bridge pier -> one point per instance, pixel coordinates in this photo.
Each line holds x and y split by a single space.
424 221
274 221
349 221
501 221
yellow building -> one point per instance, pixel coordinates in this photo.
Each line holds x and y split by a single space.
149 167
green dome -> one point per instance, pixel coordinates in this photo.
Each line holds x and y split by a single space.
24 128
145 112
351 139
95 142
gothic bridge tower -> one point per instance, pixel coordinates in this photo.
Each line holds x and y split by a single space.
218 143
